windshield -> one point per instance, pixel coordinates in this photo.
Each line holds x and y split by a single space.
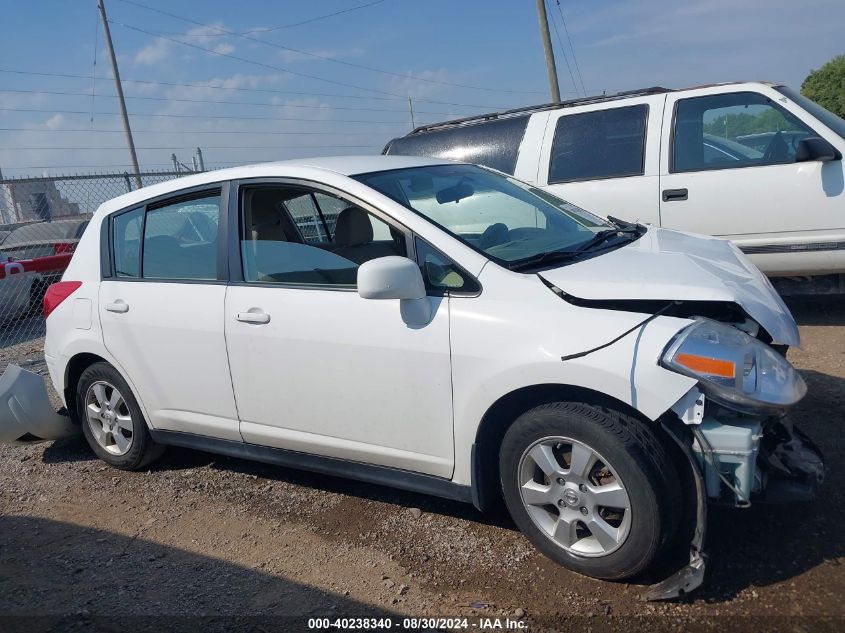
500 216
835 123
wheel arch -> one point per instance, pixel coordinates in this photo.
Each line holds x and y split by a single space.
504 411
77 364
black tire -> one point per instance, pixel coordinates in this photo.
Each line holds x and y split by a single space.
636 455
143 450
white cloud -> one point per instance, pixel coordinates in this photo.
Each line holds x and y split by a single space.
54 122
160 49
153 53
224 49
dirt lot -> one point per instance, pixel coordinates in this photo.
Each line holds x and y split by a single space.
218 537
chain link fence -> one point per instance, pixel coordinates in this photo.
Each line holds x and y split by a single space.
41 221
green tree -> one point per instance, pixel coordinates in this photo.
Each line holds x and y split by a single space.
826 85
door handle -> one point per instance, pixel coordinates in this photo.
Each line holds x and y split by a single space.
256 318
672 195
118 306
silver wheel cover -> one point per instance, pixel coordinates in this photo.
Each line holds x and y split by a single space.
574 496
109 418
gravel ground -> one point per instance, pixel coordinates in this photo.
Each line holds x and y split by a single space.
202 535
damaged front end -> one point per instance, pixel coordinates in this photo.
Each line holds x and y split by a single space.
26 415
747 459
733 427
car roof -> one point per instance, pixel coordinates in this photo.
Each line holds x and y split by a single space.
570 103
303 167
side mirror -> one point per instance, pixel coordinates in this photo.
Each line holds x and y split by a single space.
395 277
815 148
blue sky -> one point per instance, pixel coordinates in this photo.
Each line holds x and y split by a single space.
452 58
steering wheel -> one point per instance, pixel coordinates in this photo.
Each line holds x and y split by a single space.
494 235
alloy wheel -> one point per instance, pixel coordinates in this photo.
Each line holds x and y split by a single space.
574 496
109 418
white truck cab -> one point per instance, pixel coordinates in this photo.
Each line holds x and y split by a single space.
755 162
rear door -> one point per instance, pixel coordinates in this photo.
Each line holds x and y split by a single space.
605 157
161 310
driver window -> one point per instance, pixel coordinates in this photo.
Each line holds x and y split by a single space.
294 235
743 129
180 239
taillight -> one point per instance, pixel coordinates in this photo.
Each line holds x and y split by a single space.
62 248
57 293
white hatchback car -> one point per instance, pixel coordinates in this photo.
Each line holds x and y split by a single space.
442 328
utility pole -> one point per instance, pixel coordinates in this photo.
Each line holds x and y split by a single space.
120 98
551 69
411 108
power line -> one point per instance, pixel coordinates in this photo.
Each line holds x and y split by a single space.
565 57
294 24
243 132
314 55
205 116
172 147
242 89
212 101
254 62
574 58
310 20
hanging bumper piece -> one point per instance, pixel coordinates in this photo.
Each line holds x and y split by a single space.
26 414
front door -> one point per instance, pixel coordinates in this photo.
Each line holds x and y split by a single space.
315 367
728 169
161 311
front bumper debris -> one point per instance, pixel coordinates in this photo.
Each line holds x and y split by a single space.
791 466
26 414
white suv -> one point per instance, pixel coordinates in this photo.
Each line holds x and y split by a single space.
440 328
756 163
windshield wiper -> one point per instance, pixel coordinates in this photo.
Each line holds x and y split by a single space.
606 234
633 230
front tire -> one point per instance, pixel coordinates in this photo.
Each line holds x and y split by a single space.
591 488
111 419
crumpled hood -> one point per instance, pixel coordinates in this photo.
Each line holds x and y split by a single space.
671 265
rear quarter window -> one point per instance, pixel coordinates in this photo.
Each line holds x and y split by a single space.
494 144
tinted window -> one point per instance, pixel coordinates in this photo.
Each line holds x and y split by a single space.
180 240
494 144
126 232
602 144
296 236
741 129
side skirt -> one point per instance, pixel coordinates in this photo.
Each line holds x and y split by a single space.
370 473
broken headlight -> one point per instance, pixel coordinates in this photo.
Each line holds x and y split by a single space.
734 369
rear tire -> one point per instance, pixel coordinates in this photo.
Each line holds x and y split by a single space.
592 488
111 419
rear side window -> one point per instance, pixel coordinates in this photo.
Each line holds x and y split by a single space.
740 129
603 144
494 144
180 240
126 229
